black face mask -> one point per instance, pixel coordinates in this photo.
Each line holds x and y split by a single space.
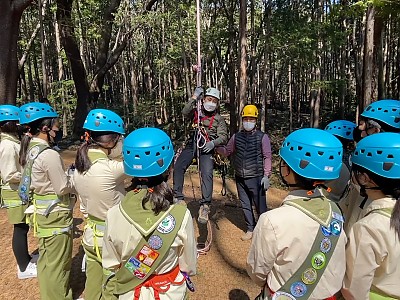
58 137
357 134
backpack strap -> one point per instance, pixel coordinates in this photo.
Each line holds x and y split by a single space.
305 279
24 187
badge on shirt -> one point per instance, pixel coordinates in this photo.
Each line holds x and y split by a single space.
318 260
337 216
167 225
298 289
282 296
34 152
155 242
140 265
325 245
309 276
336 227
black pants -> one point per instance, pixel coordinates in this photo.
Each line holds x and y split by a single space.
20 245
206 164
250 191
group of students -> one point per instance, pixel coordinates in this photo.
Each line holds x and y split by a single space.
141 244
137 243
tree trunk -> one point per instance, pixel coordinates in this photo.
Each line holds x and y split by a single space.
368 65
243 56
78 70
43 47
10 17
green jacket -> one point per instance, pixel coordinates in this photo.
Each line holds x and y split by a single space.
218 131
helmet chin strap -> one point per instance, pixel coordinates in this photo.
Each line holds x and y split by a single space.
363 192
284 180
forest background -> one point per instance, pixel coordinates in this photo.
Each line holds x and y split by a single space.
305 63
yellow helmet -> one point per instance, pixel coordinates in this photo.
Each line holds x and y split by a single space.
250 111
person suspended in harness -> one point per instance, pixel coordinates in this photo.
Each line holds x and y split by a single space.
210 130
373 250
252 161
99 181
298 249
380 116
343 131
10 171
149 245
46 182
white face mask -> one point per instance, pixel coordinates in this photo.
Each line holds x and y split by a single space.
209 106
249 126
116 152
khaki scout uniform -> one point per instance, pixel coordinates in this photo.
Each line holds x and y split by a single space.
121 238
373 254
10 170
282 241
99 188
50 183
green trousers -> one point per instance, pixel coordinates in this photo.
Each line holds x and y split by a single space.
95 278
54 267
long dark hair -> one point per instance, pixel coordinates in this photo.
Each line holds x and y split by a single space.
159 193
94 140
9 127
31 130
390 187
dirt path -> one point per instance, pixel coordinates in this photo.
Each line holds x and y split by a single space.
221 272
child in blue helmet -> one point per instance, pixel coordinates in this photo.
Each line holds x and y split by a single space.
99 181
45 181
379 116
298 249
343 131
10 171
149 244
373 251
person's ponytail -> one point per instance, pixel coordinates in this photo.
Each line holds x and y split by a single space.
30 130
82 161
25 140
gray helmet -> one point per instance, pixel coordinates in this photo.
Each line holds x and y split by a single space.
213 92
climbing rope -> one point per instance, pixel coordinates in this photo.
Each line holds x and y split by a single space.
201 138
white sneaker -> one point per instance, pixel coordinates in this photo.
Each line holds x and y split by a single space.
30 271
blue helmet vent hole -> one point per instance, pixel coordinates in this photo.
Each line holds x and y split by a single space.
390 156
379 152
160 162
158 154
147 153
320 153
304 163
387 166
308 154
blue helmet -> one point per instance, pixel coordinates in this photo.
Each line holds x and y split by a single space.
386 111
104 120
313 153
147 152
342 128
379 153
34 111
9 113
